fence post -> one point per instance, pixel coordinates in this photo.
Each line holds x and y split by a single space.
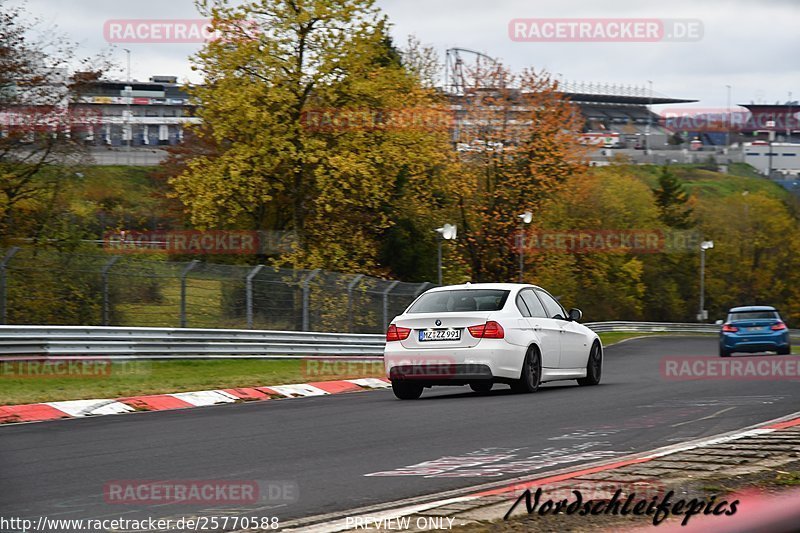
3 263
422 287
392 285
184 273
306 290
106 306
249 294
350 286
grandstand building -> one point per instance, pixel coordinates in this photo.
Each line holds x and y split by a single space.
154 113
145 116
614 116
625 111
139 114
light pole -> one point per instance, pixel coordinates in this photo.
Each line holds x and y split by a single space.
448 232
771 134
128 52
705 245
649 119
524 218
127 128
730 118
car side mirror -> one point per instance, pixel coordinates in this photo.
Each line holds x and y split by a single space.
719 322
575 314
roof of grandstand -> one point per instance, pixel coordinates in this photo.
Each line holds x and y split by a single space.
605 98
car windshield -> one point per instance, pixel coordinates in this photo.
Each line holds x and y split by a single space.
753 315
457 300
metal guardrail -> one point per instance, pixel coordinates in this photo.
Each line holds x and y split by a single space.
662 327
177 343
652 327
185 343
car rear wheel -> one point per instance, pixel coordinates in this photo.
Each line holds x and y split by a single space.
481 387
406 390
531 374
723 352
594 367
785 351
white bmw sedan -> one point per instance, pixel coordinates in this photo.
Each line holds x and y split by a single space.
487 333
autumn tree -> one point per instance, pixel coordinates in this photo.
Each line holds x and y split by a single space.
518 142
38 147
422 61
318 127
606 284
755 259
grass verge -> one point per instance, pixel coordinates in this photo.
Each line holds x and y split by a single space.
20 385
613 337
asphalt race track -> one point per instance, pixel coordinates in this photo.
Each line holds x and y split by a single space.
326 446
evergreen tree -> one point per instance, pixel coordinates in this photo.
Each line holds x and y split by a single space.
672 201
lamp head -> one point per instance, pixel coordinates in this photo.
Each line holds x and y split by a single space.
448 232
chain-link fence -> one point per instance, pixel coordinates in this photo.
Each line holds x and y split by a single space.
46 287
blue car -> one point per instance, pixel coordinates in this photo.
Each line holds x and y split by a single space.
756 328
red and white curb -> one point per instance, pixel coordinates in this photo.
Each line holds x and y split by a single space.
390 512
38 412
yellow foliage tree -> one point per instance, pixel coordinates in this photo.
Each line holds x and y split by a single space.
319 129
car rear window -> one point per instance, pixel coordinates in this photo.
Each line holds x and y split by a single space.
458 300
753 315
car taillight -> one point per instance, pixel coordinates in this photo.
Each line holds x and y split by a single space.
395 333
729 328
490 330
779 326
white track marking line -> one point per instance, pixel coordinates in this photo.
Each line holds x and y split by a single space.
205 397
704 418
372 383
79 408
302 389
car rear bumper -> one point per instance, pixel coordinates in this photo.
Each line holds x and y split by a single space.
736 342
489 361
441 374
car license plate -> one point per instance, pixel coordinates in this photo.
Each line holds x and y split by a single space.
756 328
439 335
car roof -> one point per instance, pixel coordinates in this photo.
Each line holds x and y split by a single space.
748 308
498 286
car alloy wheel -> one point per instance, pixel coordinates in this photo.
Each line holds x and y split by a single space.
531 375
594 366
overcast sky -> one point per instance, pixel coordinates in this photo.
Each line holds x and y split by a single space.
752 45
